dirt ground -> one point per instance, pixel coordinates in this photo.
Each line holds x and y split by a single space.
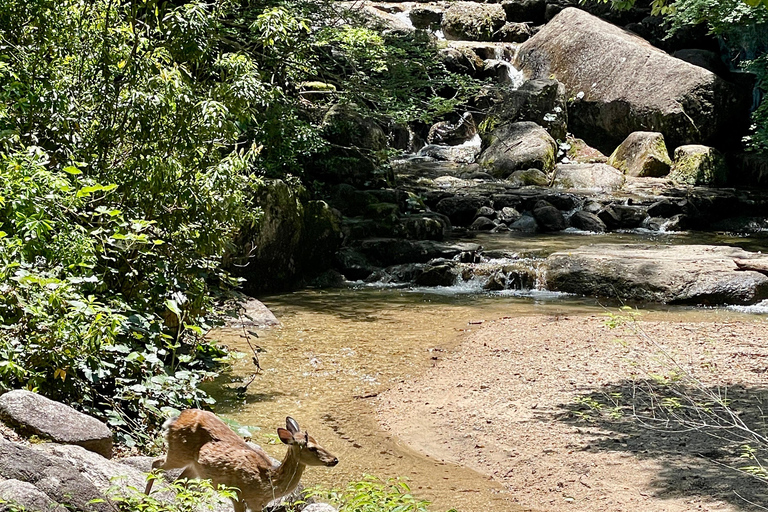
569 414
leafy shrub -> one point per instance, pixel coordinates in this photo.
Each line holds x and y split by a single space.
194 497
372 494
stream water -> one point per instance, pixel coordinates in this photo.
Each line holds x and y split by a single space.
337 349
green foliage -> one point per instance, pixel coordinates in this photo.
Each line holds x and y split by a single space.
132 136
190 497
374 495
397 77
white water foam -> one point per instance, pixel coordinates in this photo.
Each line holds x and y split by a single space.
761 308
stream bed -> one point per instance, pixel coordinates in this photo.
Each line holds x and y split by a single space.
337 349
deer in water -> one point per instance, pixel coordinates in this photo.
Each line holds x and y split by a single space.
206 447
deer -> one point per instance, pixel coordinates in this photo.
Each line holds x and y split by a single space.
207 448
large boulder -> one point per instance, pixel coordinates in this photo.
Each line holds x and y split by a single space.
295 238
685 274
595 177
695 164
34 414
470 21
642 154
622 84
518 146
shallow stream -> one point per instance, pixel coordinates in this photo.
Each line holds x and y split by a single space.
337 349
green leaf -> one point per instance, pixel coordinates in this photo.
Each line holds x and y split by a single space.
173 307
72 170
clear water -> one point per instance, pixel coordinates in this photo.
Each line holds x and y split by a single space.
337 349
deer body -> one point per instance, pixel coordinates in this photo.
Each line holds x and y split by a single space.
206 447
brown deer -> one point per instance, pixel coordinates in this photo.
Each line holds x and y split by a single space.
206 447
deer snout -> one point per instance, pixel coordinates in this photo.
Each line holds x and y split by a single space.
332 462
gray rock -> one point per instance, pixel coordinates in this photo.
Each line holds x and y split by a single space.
482 224
98 470
508 215
461 60
620 216
56 478
528 178
426 226
461 210
515 32
392 251
685 274
695 164
34 414
541 101
548 217
25 495
441 273
518 146
525 224
642 154
595 177
453 132
295 238
425 17
252 313
622 84
470 21
465 153
587 221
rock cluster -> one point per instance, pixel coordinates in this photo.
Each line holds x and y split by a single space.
72 473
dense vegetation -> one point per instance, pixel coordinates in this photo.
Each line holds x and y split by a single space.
132 136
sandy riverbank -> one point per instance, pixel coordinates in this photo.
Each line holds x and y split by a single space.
561 411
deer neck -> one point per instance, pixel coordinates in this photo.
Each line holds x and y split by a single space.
286 477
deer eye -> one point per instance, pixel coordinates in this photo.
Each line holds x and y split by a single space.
312 448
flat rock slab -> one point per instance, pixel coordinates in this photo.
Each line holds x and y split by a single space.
35 414
682 274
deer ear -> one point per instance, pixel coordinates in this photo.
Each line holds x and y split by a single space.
285 436
291 425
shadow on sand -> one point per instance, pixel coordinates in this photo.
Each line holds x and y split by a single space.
703 438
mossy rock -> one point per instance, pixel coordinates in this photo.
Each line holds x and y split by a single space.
529 178
642 154
696 165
